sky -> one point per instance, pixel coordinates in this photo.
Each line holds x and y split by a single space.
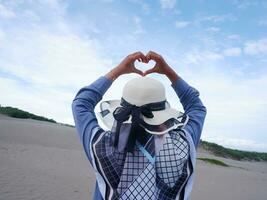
49 49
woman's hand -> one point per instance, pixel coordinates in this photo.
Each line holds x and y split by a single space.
161 67
127 66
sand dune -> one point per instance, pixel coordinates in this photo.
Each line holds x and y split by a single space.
42 160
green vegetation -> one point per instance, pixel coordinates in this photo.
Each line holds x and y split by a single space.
213 161
17 113
233 153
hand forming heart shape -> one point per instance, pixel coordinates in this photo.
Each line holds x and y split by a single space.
159 67
127 65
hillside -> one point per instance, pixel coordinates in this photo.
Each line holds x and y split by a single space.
18 113
235 154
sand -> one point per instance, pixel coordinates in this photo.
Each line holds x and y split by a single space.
42 160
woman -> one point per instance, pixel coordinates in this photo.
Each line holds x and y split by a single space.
149 151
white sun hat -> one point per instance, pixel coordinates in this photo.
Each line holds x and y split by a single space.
149 93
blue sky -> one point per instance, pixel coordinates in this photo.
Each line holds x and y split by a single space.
49 49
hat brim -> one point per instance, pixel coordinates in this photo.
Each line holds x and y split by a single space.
162 122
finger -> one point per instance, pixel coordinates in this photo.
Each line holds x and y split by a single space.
144 58
138 71
151 55
154 53
137 53
140 55
149 71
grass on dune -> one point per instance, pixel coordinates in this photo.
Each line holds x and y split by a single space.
233 153
17 113
214 161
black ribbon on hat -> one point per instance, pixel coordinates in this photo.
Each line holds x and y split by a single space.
123 113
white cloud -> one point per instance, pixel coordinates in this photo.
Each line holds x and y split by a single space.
55 67
51 59
234 37
235 101
2 36
258 47
48 102
177 12
181 24
6 12
214 29
236 108
31 16
197 57
138 26
244 4
234 51
262 22
145 7
217 18
46 64
210 19
167 4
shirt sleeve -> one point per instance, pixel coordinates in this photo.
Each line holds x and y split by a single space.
193 107
83 107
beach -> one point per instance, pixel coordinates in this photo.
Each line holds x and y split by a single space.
43 160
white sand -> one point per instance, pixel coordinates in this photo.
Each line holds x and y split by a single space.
244 180
41 160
